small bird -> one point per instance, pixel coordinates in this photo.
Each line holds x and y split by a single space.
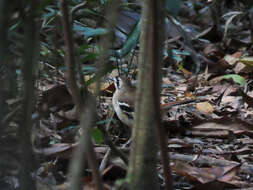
123 100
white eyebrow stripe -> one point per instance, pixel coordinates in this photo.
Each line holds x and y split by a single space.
123 104
126 108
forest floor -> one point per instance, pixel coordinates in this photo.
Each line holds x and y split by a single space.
206 97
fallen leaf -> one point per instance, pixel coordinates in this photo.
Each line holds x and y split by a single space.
205 107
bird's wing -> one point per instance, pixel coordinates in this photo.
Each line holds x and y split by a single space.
126 103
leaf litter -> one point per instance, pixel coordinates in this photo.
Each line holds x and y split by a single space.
209 119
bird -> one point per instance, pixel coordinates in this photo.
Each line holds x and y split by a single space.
123 100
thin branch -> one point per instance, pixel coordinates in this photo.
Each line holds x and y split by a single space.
86 114
77 7
114 149
70 59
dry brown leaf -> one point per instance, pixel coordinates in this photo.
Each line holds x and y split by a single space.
205 107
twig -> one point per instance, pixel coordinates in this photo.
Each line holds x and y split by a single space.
207 160
77 7
70 59
105 160
52 67
112 146
182 102
87 117
10 115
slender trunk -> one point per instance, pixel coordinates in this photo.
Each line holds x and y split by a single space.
143 159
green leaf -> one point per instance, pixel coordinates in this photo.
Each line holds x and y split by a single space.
90 56
133 38
18 71
87 12
97 135
102 2
177 55
180 67
87 69
130 43
171 6
247 61
104 121
236 78
178 52
88 32
83 48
